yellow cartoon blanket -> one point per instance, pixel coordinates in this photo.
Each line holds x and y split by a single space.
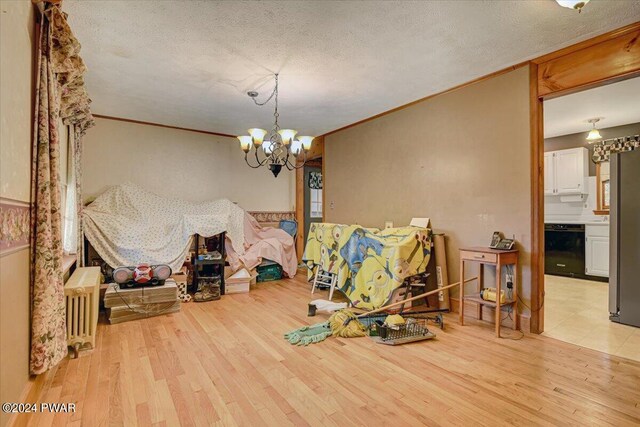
370 264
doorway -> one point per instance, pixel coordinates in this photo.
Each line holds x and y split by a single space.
582 131
313 197
314 162
562 72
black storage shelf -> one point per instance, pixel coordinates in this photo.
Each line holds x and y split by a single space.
214 266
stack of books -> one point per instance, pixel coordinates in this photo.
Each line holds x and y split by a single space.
138 303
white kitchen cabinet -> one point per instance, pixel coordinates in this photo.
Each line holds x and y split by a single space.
566 171
597 250
549 174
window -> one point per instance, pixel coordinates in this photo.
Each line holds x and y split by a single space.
316 203
68 190
315 194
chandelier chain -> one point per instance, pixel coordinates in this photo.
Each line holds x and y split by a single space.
273 93
276 127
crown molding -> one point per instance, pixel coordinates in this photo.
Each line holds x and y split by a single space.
140 122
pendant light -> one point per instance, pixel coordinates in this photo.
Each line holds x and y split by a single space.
594 134
572 4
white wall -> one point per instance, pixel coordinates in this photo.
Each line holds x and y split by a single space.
557 210
180 164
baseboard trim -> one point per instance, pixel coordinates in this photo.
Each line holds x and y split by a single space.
471 310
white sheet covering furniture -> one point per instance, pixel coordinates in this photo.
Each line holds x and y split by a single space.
128 225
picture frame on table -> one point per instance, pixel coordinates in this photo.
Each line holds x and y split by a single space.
495 239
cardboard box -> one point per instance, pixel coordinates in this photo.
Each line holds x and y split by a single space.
181 280
239 282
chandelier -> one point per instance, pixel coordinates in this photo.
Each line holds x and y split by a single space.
279 147
573 4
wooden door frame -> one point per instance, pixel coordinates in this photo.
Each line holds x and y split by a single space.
599 61
316 152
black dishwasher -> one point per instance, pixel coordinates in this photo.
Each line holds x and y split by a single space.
564 250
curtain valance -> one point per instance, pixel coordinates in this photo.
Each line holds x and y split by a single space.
602 151
69 69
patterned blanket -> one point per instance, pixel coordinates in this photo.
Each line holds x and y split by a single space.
370 264
128 225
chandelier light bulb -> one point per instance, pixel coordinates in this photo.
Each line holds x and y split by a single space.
257 135
296 147
287 135
267 146
245 143
306 142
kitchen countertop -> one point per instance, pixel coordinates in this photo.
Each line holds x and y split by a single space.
575 221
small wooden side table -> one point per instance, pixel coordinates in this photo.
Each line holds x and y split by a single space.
499 258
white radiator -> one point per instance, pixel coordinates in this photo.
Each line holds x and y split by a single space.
82 294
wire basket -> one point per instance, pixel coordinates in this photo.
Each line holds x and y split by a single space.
413 328
370 321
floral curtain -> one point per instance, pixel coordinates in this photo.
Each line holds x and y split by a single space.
75 105
60 95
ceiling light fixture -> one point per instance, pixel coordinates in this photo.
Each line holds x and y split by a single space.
594 134
572 4
277 145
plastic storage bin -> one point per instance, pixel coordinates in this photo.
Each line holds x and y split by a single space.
268 271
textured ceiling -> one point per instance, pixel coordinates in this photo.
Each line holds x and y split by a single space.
617 104
190 63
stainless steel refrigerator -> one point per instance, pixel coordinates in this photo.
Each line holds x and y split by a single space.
624 261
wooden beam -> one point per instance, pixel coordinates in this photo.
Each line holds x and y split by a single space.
588 43
608 61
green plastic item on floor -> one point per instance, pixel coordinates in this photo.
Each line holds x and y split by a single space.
309 334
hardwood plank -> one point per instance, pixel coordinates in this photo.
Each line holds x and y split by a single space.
225 363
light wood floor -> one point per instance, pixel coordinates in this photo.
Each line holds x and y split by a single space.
577 311
225 363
